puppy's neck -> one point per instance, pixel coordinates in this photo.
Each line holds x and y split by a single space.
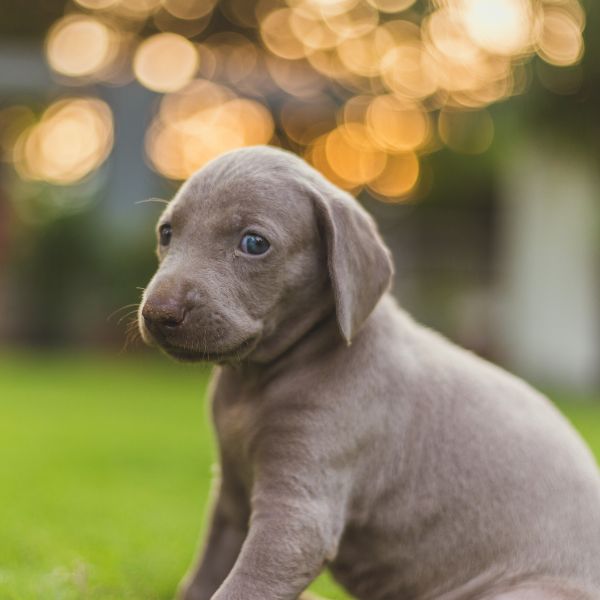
297 342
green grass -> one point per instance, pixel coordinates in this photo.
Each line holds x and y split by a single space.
105 466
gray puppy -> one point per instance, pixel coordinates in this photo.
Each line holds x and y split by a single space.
351 437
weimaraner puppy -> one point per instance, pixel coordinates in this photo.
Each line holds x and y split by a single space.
350 437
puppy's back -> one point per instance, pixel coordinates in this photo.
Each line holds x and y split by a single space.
489 476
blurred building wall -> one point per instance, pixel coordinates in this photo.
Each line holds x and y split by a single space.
549 293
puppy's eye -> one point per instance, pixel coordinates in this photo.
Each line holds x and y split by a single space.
165 233
253 243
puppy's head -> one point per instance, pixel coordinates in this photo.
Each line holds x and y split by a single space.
254 249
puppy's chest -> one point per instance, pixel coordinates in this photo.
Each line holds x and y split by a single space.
236 423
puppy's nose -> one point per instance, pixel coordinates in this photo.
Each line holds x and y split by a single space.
163 313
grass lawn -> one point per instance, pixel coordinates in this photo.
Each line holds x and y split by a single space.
104 475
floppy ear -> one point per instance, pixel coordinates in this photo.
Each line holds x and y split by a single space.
360 266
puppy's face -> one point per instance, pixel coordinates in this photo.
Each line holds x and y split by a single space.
240 255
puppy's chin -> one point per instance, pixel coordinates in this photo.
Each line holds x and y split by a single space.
186 354
233 355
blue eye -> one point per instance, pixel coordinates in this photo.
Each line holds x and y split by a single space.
254 244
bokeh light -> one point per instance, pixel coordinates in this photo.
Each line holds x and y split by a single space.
391 6
499 26
360 54
397 125
361 88
235 57
201 122
560 42
78 46
352 155
137 10
296 78
398 179
409 70
73 137
165 62
312 32
278 36
96 4
189 9
356 21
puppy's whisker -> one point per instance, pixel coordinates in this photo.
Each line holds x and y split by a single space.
122 308
127 315
132 332
132 327
147 200
131 337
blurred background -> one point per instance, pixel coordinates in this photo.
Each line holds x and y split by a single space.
470 129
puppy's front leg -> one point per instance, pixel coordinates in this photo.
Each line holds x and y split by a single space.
227 531
293 532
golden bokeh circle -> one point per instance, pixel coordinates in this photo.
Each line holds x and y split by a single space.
408 69
398 179
73 137
189 9
79 46
352 156
503 27
560 42
278 36
97 4
391 6
397 125
165 62
201 122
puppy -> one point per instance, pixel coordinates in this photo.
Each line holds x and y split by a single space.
350 437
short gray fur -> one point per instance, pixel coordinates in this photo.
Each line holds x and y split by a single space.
351 437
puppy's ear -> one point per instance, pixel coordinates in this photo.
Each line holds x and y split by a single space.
359 263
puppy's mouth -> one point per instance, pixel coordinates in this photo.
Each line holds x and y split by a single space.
189 344
186 354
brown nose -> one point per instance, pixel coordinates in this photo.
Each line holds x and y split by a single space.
163 313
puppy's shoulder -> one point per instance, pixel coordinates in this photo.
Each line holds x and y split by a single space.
386 345
377 364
